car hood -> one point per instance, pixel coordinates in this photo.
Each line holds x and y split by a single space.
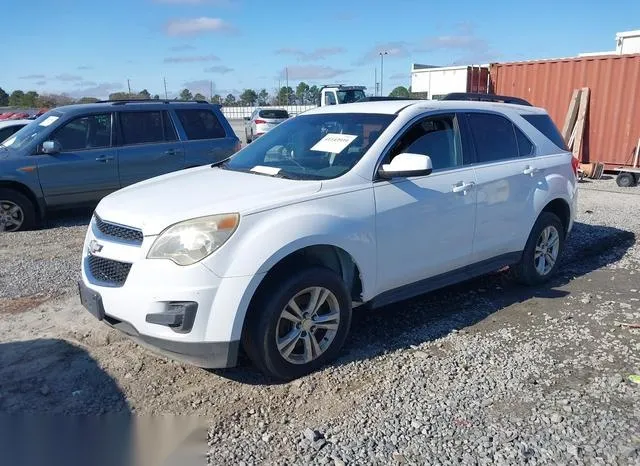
157 203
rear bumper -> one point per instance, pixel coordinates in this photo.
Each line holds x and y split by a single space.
208 355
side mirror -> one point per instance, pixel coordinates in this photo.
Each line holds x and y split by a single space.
51 147
405 165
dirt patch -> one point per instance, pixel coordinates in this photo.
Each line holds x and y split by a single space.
22 304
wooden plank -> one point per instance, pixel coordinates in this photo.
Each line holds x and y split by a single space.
572 115
582 115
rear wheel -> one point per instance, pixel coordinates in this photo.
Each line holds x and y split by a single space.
16 211
542 251
298 324
626 180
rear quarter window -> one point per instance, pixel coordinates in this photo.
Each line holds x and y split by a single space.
545 125
201 124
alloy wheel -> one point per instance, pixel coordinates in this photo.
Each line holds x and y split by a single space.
308 325
11 216
547 248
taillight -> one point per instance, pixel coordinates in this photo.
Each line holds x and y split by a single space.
260 122
238 146
575 163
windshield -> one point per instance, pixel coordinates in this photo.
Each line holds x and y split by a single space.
30 132
350 96
312 147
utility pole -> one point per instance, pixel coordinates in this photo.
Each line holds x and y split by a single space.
382 54
166 96
286 73
129 86
210 91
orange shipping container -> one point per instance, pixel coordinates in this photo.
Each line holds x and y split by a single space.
612 128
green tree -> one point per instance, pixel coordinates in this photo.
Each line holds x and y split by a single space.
199 96
263 97
400 91
314 94
87 100
156 97
4 98
302 92
248 97
216 99
186 95
144 94
230 99
286 96
16 98
30 99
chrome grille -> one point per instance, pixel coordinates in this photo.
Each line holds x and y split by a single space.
109 271
131 235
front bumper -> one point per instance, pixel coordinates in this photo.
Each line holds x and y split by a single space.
202 354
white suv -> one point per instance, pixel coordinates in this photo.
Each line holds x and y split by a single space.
344 205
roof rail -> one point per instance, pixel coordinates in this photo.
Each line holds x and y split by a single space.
486 98
381 98
158 101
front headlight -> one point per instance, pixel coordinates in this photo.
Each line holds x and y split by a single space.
188 242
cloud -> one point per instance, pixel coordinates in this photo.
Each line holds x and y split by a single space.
202 86
219 69
101 90
317 54
33 76
41 83
182 48
191 59
85 67
68 77
86 84
400 77
465 41
311 72
391 49
186 27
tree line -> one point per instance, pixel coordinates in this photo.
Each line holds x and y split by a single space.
303 94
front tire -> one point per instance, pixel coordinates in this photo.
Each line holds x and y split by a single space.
539 260
298 323
17 212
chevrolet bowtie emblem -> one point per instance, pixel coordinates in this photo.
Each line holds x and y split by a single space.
94 246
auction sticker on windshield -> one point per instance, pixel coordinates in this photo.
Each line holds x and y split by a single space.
334 143
49 120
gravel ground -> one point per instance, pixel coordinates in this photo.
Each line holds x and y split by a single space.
485 372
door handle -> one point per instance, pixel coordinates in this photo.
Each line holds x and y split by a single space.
173 152
105 158
462 187
529 170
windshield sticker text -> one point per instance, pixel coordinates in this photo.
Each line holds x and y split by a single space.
334 143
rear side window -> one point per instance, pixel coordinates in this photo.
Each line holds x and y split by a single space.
525 147
494 137
274 114
545 125
142 127
201 124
